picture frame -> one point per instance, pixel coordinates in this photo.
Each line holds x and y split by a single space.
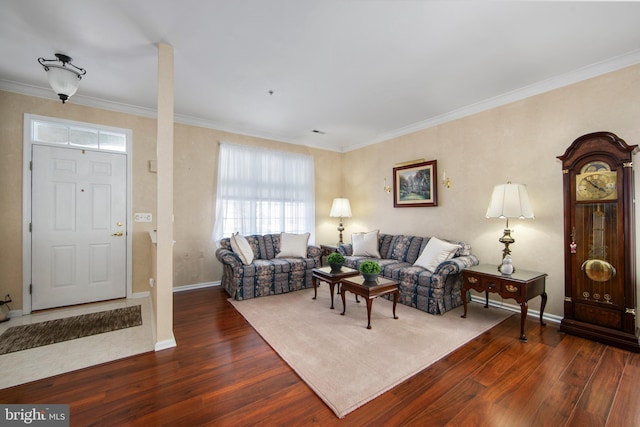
415 185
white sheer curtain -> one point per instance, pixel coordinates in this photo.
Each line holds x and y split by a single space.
263 191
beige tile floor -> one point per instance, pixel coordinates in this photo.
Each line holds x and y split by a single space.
29 365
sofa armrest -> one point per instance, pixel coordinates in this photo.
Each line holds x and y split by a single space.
314 251
346 249
227 257
456 265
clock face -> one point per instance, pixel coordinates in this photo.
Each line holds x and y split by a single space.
596 182
596 166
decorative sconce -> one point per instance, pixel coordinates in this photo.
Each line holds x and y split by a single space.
63 78
445 179
387 187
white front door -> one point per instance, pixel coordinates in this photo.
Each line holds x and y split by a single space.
78 218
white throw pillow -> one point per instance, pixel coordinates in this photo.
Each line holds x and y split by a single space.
240 245
434 253
365 244
293 245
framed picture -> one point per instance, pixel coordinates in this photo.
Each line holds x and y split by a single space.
415 185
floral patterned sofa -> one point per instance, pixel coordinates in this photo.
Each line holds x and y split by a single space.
267 273
434 291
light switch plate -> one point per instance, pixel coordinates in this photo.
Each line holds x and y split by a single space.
142 217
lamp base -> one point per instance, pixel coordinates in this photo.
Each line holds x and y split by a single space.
507 267
340 230
507 240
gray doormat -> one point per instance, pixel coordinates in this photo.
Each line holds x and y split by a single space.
23 337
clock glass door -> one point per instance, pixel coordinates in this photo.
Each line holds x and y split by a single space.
596 228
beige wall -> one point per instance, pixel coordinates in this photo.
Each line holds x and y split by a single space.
517 142
12 110
195 164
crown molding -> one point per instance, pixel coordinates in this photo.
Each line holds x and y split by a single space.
42 92
87 101
576 76
581 74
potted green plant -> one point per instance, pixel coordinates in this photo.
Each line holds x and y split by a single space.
336 261
370 270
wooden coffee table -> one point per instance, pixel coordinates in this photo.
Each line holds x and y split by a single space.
324 274
369 291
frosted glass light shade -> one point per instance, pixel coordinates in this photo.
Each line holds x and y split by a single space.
510 201
340 208
63 81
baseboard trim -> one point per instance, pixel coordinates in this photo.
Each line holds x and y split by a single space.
170 343
144 294
552 318
165 344
195 286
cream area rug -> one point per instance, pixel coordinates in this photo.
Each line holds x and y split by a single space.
344 363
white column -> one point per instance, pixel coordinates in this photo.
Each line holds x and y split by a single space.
164 285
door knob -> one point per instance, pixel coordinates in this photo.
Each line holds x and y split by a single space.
119 233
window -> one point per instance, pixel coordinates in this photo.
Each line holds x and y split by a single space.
263 191
75 136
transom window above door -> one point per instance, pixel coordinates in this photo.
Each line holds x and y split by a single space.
76 136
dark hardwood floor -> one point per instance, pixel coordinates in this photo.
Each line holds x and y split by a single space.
223 373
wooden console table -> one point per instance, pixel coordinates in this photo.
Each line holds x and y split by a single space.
522 285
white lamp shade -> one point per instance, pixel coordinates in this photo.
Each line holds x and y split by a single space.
63 80
510 201
340 209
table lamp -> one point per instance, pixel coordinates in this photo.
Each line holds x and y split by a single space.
509 201
340 209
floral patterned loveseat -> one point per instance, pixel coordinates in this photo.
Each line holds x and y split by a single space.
435 291
266 274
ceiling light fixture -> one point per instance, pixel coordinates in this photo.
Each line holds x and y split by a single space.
63 78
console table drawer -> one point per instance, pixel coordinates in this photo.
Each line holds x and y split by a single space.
482 283
511 289
503 286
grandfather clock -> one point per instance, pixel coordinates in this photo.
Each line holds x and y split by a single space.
599 235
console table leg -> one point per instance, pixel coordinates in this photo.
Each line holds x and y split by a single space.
543 304
523 316
486 296
464 301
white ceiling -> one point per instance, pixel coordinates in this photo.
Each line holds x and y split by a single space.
361 71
